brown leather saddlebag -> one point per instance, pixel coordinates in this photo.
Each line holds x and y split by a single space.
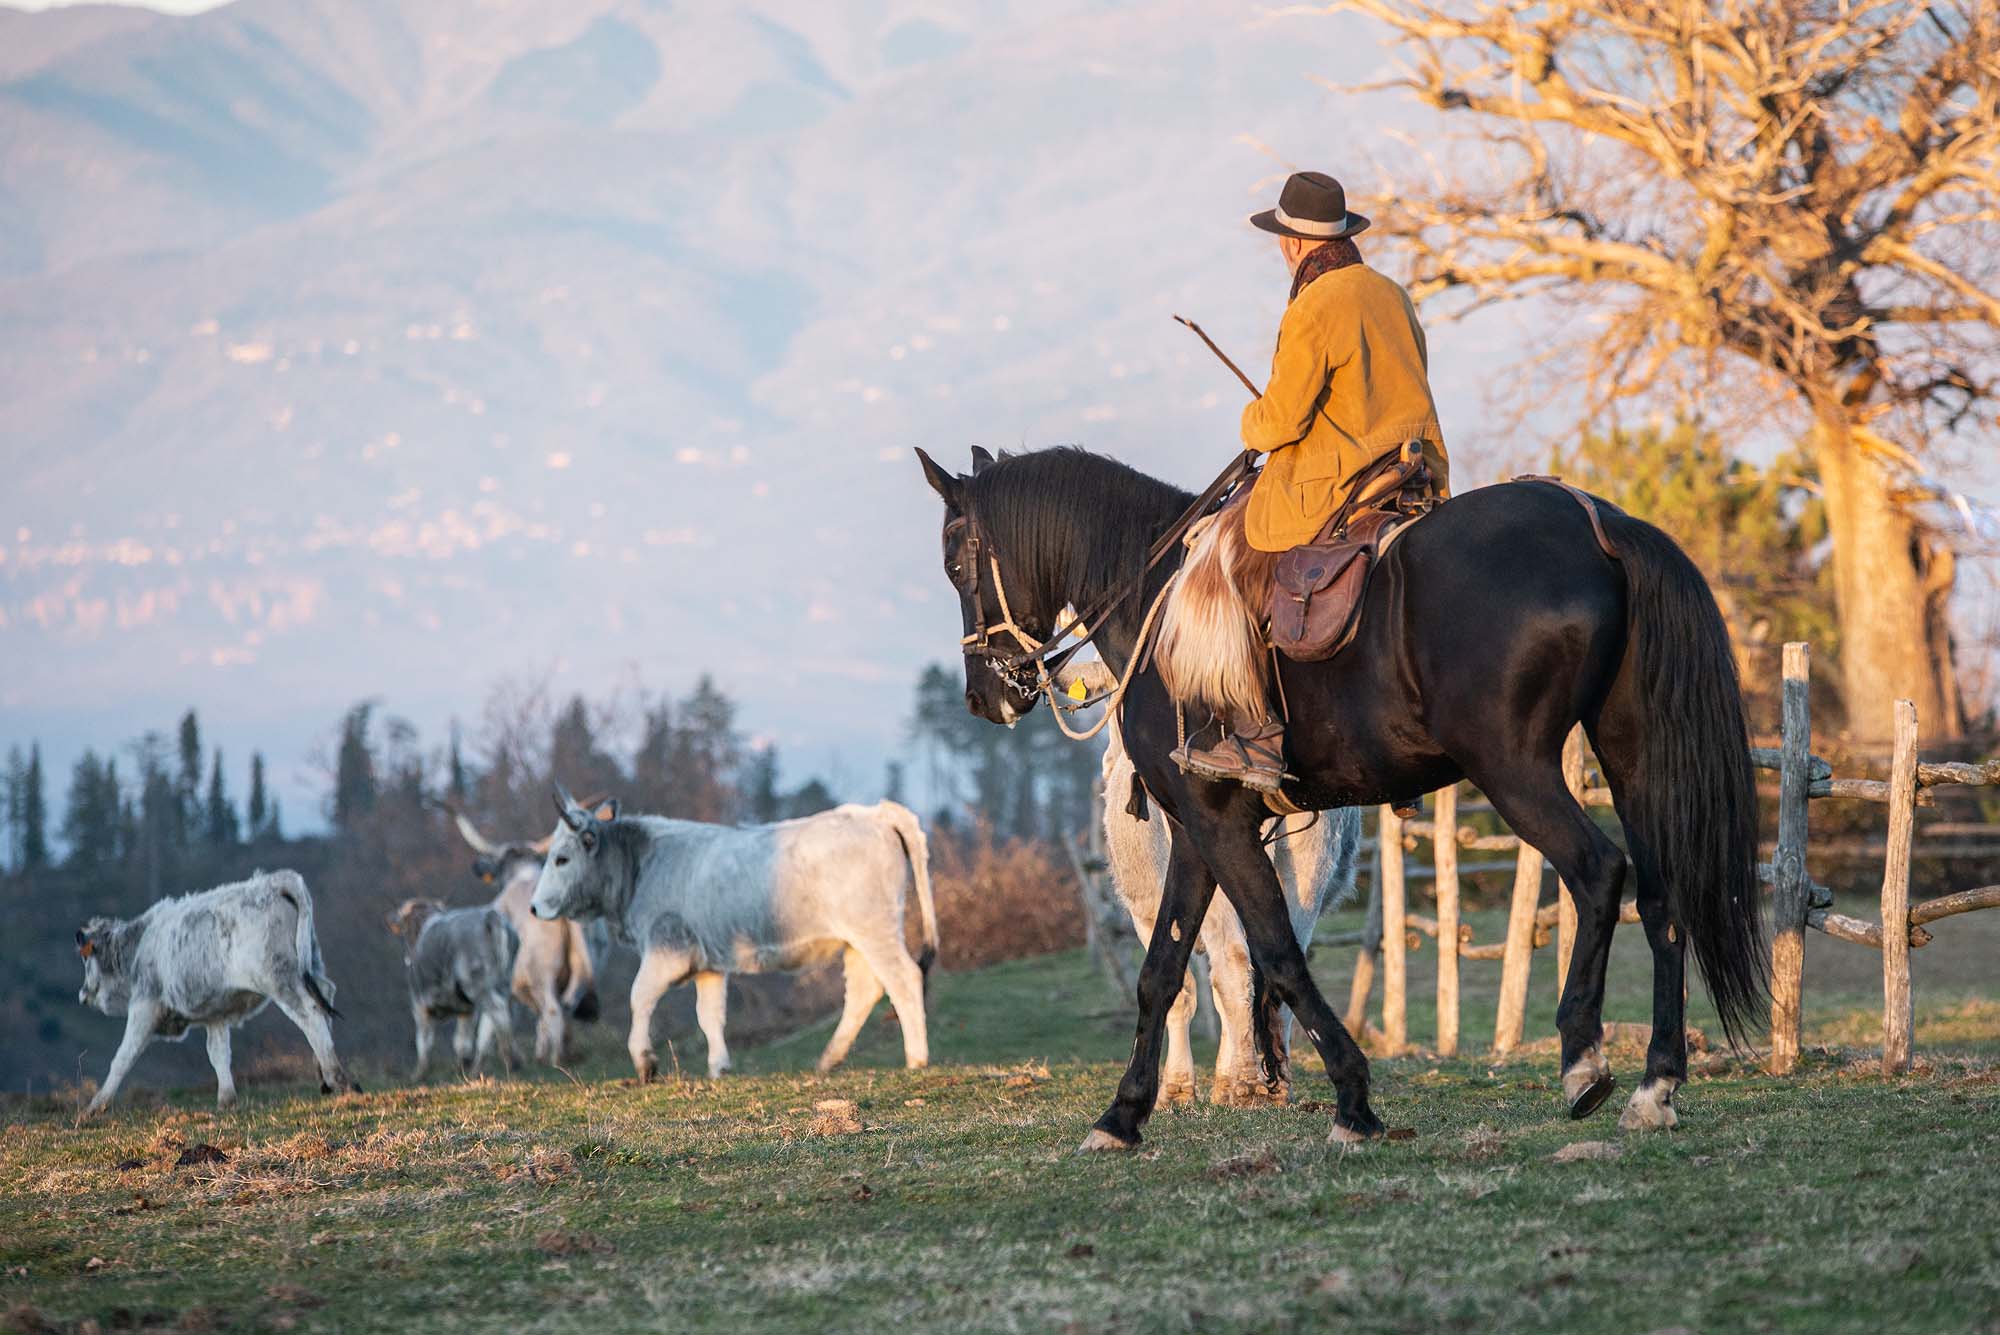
1316 590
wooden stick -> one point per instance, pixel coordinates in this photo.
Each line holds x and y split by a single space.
1896 1017
1446 855
1572 763
1545 916
1788 913
1764 757
1965 901
1395 960
1866 790
1202 334
1861 933
1364 959
1931 776
1357 992
1520 952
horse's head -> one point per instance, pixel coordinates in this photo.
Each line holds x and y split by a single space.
997 602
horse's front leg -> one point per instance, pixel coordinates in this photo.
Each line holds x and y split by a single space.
1235 851
1183 905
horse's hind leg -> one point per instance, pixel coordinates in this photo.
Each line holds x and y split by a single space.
1183 905
1651 1107
1538 806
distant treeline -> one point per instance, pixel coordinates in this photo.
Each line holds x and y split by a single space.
149 815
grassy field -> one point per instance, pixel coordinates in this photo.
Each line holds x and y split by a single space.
948 1198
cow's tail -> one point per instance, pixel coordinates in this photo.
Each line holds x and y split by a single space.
915 847
312 968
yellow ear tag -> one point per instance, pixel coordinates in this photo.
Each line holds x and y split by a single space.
1077 691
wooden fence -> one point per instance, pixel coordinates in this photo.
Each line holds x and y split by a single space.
1798 902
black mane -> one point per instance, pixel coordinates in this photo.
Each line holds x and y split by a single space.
1071 524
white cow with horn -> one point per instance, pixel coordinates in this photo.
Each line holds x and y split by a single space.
555 972
703 901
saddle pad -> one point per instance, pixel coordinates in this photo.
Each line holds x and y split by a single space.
1316 589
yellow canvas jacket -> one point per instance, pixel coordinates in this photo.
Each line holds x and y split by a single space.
1349 383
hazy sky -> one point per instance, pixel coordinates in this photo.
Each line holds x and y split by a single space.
592 343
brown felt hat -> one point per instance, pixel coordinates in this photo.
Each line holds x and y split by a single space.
1311 207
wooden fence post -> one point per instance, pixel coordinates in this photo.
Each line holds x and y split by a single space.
1520 951
1395 961
1896 1021
1566 905
1444 846
1788 871
1356 1018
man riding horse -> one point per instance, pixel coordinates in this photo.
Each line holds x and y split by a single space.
1349 393
1470 648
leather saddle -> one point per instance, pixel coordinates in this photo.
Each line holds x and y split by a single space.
1316 589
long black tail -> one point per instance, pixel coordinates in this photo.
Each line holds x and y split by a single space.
319 996
1693 797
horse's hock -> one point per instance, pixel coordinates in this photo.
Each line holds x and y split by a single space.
1798 902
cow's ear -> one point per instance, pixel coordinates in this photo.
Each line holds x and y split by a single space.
607 810
85 947
483 868
946 485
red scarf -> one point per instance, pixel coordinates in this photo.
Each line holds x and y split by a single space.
1323 259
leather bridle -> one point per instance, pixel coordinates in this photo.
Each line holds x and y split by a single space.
1033 665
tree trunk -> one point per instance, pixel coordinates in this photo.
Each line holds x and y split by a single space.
1890 648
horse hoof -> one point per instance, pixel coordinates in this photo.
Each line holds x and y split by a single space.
1175 1096
1651 1108
1100 1141
1591 1097
1358 1132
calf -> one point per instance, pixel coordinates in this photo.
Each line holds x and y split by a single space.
212 959
705 901
555 975
1315 859
459 962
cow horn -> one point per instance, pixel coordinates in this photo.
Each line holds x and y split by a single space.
566 807
470 833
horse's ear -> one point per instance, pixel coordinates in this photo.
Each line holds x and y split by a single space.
982 459
944 484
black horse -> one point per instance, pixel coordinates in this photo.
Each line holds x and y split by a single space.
1488 631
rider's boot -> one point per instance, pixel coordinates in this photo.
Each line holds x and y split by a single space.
1253 757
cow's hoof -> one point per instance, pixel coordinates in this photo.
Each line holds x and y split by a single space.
1651 1108
325 1088
1100 1141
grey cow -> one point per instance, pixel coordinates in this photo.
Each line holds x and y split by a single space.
555 964
459 962
705 901
1315 858
212 959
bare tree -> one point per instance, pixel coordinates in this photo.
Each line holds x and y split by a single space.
1791 203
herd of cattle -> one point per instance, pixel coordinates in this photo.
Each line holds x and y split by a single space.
697 902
